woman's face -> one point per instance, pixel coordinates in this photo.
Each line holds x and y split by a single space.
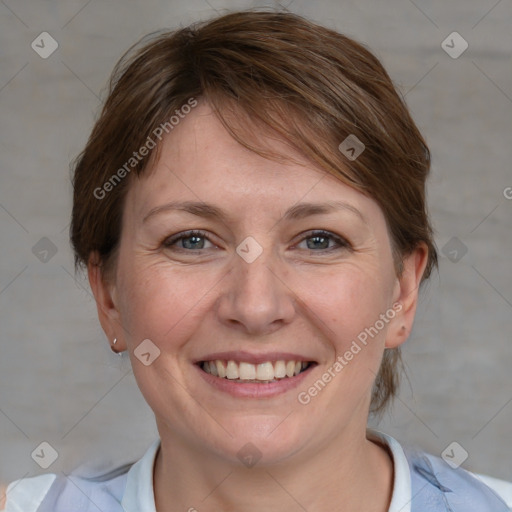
258 287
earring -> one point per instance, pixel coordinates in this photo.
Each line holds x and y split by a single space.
118 352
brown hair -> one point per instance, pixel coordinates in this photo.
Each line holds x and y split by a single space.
279 72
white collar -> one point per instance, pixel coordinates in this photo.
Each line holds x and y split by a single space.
139 495
402 495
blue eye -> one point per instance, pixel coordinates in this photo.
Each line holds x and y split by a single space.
321 241
190 240
195 240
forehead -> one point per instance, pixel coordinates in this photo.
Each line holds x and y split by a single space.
200 161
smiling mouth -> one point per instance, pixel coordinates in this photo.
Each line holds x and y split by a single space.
263 373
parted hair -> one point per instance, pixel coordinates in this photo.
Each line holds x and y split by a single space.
281 74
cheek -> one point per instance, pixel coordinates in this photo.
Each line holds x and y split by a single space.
348 301
160 303
347 305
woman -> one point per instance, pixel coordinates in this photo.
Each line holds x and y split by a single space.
250 208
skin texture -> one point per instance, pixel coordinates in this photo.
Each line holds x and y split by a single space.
312 301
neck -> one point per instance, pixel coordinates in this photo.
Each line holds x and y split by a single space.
349 472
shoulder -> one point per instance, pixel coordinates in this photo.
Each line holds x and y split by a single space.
60 493
442 487
500 487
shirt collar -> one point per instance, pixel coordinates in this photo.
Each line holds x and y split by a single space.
402 495
139 493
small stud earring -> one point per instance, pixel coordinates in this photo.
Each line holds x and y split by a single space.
118 352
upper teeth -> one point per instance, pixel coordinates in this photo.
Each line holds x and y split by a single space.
246 371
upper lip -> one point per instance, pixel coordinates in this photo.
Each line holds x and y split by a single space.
248 357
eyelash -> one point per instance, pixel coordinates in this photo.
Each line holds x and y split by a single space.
341 242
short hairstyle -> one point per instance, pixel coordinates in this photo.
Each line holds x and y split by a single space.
281 74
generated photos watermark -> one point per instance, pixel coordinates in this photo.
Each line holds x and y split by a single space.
305 397
144 150
352 147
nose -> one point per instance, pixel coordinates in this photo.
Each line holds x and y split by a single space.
256 298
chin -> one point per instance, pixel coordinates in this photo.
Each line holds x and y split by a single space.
269 438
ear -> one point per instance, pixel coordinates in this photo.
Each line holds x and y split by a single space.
406 296
104 294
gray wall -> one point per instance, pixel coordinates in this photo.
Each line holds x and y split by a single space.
59 381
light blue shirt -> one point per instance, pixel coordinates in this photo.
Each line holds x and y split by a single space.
422 483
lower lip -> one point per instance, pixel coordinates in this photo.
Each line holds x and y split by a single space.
253 390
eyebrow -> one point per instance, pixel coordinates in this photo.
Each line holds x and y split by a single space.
296 212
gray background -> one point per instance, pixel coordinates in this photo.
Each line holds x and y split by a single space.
59 381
